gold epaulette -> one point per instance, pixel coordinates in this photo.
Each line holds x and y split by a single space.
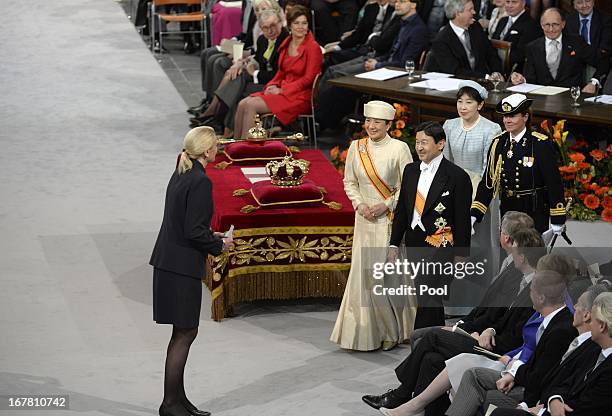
479 206
558 210
540 136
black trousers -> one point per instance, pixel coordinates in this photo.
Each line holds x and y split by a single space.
327 28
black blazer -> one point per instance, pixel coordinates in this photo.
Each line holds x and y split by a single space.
548 352
591 396
601 28
576 54
185 238
495 301
578 362
268 68
449 54
365 26
524 30
382 43
451 187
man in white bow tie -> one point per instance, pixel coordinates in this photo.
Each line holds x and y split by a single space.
433 210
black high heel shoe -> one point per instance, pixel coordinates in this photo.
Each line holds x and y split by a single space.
194 411
176 409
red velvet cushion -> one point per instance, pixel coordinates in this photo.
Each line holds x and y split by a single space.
266 194
247 151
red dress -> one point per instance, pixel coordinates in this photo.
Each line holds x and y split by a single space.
294 77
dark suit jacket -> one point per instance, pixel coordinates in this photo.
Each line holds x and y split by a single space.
492 306
601 28
382 43
449 54
578 362
365 26
552 345
451 187
576 54
268 68
185 238
591 396
522 31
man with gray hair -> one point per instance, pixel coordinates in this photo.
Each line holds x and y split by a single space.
461 47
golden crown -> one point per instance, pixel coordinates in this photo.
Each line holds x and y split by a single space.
287 172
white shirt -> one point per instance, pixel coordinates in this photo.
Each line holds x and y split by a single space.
428 172
519 136
458 30
518 363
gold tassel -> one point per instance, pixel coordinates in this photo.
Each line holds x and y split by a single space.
240 192
336 206
323 190
293 149
247 209
222 165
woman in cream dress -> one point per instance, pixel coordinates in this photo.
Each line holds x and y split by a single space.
367 321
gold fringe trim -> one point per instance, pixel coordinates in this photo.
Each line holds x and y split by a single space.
247 209
222 165
336 206
240 192
312 229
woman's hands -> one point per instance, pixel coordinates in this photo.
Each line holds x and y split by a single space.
272 89
373 212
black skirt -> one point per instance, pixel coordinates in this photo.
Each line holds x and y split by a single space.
177 299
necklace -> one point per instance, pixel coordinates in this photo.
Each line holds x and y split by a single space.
472 126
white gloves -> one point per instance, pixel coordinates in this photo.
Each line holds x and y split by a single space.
473 222
557 229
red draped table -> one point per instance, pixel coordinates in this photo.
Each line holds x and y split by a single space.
280 252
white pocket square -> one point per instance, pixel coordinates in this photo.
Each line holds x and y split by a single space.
513 32
445 193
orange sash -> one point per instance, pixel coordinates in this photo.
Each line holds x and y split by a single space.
368 166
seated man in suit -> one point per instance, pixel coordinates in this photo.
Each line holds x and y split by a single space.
587 394
507 280
412 38
558 59
595 27
482 386
365 36
461 47
518 28
246 76
329 29
577 359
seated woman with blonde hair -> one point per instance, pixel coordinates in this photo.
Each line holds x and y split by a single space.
288 94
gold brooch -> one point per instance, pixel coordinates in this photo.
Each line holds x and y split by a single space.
506 107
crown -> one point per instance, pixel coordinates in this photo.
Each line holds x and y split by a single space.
287 172
257 133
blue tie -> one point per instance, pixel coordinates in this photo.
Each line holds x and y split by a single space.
584 30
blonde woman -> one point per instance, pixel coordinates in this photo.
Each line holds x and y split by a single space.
183 244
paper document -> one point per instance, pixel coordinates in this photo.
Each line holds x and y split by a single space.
603 99
382 74
490 409
227 46
488 353
549 90
436 75
524 88
440 84
235 4
254 171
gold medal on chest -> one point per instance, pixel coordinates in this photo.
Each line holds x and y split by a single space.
509 154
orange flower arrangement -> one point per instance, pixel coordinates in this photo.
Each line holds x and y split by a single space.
591 201
606 215
343 155
400 124
577 157
586 173
597 154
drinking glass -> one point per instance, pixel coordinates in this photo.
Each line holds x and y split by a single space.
495 79
575 94
409 66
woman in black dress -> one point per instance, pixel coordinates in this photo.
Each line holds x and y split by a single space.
179 258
